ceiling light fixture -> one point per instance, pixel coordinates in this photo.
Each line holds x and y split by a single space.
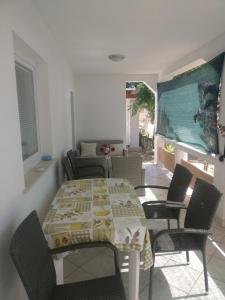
116 57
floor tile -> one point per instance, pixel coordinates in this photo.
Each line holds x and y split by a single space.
144 280
100 266
78 275
180 276
219 249
110 253
161 259
82 256
162 291
210 247
195 260
216 268
222 243
216 289
68 267
154 194
217 233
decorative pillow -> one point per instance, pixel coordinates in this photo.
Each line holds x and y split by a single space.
88 149
118 149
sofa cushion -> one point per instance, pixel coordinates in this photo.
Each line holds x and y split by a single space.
88 149
118 149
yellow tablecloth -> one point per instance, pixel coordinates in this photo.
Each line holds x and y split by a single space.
98 210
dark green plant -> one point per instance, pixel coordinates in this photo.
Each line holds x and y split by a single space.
145 100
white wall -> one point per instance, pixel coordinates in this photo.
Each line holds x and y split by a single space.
23 18
205 53
101 104
133 126
134 129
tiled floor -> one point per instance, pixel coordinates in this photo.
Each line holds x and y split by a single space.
173 278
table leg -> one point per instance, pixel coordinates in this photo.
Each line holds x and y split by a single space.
58 263
134 273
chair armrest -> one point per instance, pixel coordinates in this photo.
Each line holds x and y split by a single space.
73 247
174 204
151 187
190 230
154 202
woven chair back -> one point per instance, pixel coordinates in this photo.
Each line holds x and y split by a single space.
203 204
30 254
67 168
179 184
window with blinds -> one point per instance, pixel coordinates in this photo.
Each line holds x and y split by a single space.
27 110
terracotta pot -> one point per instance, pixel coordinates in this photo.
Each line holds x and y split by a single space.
167 158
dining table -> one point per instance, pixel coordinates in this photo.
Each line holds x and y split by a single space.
100 210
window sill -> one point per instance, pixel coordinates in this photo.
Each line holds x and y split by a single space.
33 175
210 158
197 172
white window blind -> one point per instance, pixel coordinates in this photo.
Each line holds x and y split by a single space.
27 111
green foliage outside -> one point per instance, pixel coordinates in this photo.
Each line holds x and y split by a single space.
145 100
169 148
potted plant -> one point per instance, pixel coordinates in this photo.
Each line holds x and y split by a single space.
167 156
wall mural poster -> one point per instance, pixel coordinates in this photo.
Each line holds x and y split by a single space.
187 106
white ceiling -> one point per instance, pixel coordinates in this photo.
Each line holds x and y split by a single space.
152 34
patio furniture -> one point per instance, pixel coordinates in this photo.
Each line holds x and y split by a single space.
193 236
97 210
167 209
88 167
100 143
67 168
32 258
129 168
92 166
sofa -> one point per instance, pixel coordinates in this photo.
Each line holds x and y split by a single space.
118 166
99 144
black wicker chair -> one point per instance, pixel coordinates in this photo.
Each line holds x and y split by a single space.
88 167
67 168
167 209
193 236
32 258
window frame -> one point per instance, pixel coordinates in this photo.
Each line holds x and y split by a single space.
32 160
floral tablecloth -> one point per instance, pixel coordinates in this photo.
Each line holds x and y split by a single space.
98 210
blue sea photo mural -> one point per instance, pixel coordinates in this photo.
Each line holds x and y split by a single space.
187 106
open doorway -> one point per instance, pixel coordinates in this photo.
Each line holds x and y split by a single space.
140 119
